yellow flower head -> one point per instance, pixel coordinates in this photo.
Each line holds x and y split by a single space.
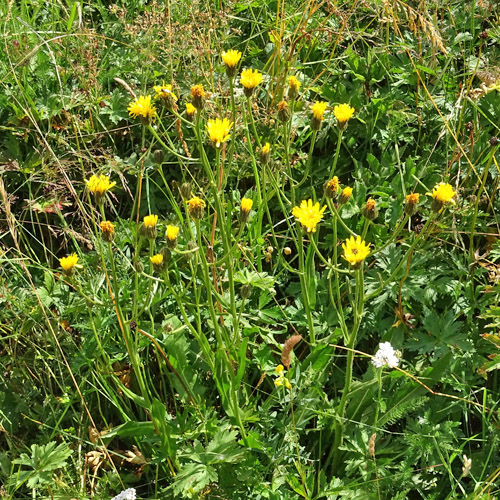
195 207
250 78
343 112
412 198
293 83
332 187
266 148
218 130
164 92
190 109
69 262
142 107
355 251
346 194
443 193
198 96
245 207
197 91
108 230
279 369
172 232
308 214
318 109
150 221
231 58
157 260
98 185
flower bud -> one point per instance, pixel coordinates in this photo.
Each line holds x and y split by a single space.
283 112
158 262
293 88
264 153
332 188
172 232
246 291
158 156
411 205
148 227
245 207
198 96
196 207
107 231
370 209
345 196
185 190
287 251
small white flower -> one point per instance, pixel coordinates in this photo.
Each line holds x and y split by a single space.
128 494
386 355
422 420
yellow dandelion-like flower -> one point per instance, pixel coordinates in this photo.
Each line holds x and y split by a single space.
345 195
266 148
250 79
99 184
279 369
246 204
157 260
231 58
190 111
150 221
293 87
309 215
195 207
142 107
318 109
218 130
343 113
108 230
164 92
198 96
443 193
355 251
411 204
172 232
68 262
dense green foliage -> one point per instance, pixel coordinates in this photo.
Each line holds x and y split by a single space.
165 377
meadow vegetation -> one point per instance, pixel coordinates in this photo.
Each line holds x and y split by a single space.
249 249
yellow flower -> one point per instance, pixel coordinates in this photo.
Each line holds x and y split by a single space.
165 93
246 204
218 130
198 96
172 232
309 215
411 204
279 369
231 58
68 262
108 230
98 185
279 381
318 109
150 221
343 112
250 79
283 111
266 148
332 187
345 196
142 107
190 111
293 87
443 193
157 260
355 251
195 207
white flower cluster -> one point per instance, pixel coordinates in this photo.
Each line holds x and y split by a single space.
128 494
386 355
